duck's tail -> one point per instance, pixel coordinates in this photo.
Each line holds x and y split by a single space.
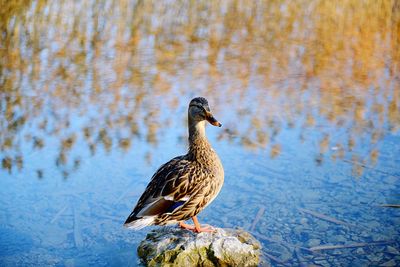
139 223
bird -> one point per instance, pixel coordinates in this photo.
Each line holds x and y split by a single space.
186 184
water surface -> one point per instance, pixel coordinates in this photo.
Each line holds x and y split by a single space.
93 99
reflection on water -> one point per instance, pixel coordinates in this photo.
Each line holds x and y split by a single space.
85 83
320 66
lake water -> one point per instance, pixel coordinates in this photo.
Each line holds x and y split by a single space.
93 99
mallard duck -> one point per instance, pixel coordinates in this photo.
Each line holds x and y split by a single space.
185 185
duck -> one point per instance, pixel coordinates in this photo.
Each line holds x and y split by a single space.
181 188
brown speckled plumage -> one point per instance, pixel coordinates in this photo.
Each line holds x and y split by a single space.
185 185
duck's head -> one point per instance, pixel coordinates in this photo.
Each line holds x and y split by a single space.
200 111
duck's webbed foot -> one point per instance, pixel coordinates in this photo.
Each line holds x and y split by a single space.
196 227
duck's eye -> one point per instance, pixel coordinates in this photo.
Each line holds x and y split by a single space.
199 107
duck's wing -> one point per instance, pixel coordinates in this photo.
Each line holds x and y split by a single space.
168 189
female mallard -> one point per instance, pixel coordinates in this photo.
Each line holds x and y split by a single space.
185 185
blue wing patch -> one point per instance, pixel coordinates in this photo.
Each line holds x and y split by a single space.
175 205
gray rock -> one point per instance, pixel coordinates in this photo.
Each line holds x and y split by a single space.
171 246
313 242
360 251
392 250
389 263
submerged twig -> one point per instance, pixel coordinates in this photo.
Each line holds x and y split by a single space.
354 245
77 230
275 259
77 194
127 192
325 217
257 218
110 217
369 167
299 258
282 243
390 205
123 195
58 214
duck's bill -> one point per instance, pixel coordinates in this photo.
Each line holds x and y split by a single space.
210 118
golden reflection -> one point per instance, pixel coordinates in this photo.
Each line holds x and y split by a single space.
322 66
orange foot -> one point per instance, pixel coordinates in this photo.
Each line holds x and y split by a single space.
196 227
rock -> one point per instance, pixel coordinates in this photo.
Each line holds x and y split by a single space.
340 238
389 263
172 246
314 242
392 250
360 251
359 262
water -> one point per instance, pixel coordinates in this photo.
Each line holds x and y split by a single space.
94 97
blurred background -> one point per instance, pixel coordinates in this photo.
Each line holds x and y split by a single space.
94 95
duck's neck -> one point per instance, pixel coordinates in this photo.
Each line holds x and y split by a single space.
198 143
